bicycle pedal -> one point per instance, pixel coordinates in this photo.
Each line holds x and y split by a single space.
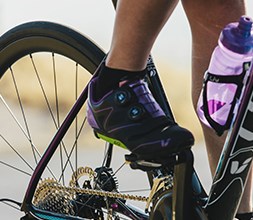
147 164
144 165
141 164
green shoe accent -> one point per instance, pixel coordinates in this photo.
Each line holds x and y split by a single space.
112 141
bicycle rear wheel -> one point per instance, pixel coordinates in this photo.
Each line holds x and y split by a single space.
43 69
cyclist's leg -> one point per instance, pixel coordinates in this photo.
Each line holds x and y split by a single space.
207 18
136 27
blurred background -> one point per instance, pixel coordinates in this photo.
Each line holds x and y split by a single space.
94 19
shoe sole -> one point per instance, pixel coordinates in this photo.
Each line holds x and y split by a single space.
116 142
111 140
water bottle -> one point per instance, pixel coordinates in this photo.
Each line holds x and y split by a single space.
226 75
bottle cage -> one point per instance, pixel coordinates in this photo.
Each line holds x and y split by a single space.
238 80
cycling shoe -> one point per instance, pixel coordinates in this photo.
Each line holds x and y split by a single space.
130 117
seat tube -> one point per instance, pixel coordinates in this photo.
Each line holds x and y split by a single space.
182 208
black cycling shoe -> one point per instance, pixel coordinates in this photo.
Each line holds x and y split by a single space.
130 117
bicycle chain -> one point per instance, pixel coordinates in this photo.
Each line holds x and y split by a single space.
48 186
88 171
50 193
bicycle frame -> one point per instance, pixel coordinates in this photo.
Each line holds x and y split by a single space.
232 170
235 162
189 197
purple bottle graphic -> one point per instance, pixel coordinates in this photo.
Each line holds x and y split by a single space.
226 75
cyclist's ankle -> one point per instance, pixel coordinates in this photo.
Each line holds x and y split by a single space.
109 78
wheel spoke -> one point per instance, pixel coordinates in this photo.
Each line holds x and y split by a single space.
43 91
72 150
57 113
56 120
27 136
24 116
16 120
15 168
76 121
17 153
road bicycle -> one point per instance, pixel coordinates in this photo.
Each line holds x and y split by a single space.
63 178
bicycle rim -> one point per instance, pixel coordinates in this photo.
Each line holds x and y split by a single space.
44 68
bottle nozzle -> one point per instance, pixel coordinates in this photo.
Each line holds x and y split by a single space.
238 36
245 25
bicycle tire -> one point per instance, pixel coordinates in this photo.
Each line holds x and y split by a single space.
47 36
